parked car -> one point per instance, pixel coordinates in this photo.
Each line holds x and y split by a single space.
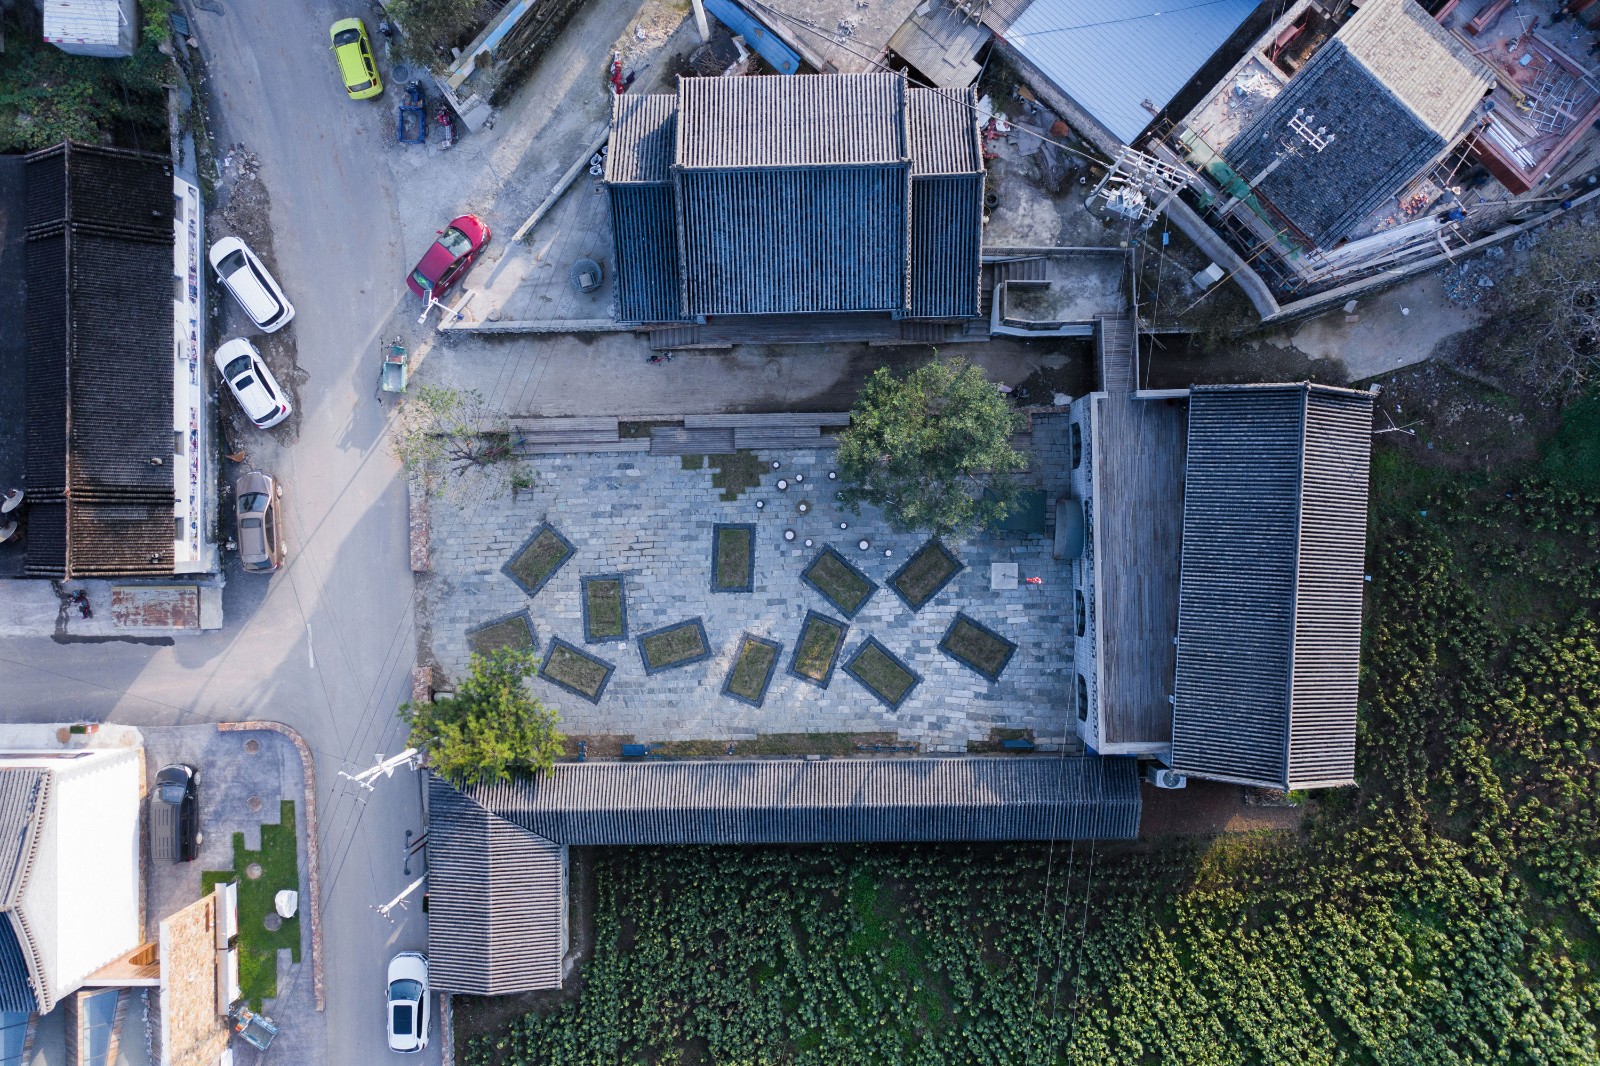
408 1001
250 283
256 511
175 814
353 51
248 376
457 247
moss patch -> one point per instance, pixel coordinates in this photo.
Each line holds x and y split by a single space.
752 669
576 671
818 648
605 616
733 556
280 869
884 675
735 473
977 646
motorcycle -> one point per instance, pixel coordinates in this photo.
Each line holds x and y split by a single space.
447 119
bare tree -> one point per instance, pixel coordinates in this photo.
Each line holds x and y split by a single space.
1546 311
453 435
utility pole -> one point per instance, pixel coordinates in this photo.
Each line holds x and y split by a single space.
700 21
386 767
386 909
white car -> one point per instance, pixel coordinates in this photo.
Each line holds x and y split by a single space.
248 376
408 1002
255 289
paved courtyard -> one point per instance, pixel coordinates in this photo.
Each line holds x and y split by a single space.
650 519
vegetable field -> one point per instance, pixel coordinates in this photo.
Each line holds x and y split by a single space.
1443 913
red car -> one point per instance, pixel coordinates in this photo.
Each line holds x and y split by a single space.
457 247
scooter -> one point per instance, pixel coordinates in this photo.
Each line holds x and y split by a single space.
447 119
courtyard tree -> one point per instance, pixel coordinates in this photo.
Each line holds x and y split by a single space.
932 448
453 431
491 727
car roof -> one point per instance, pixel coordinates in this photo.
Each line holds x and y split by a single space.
253 538
254 397
249 284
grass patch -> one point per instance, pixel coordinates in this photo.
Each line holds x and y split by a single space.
733 558
674 645
1571 457
840 584
575 670
280 869
735 473
972 644
924 574
605 611
818 648
884 675
753 666
514 631
538 560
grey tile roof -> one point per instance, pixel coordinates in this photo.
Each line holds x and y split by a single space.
24 804
946 224
791 801
1379 145
803 120
1428 67
644 134
942 125
497 900
1110 56
16 993
99 307
1269 615
644 234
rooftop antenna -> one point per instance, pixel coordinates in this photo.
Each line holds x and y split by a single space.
386 767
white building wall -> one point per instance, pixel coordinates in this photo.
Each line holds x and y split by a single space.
107 28
194 546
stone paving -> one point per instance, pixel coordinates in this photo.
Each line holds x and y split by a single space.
651 520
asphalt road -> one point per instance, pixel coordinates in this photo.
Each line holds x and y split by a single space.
327 644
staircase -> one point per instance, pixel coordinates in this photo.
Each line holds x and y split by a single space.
1036 268
1117 342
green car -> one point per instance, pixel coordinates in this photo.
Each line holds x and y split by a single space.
353 49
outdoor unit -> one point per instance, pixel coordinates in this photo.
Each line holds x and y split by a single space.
104 28
1161 777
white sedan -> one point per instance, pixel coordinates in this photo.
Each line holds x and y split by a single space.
408 1002
251 284
248 376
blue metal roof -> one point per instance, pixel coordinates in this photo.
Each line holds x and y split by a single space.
1110 56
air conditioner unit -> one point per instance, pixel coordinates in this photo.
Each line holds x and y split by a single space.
1161 777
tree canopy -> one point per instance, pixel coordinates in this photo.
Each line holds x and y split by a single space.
491 727
1545 311
931 448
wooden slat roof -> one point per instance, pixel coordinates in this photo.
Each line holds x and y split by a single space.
1269 616
804 120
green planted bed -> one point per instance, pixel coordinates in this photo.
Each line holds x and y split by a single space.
817 649
570 667
753 667
882 673
925 574
679 644
513 632
605 609
537 561
840 583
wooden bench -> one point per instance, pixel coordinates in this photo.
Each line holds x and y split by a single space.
782 418
667 440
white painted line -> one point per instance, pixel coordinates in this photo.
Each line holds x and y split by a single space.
311 653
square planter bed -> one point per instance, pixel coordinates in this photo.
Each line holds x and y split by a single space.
513 631
605 609
537 561
817 649
925 574
840 583
976 646
570 667
679 644
733 557
882 673
753 666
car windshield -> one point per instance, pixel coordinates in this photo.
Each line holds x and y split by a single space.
422 280
171 793
402 1018
236 367
344 37
455 242
407 990
253 501
360 86
232 262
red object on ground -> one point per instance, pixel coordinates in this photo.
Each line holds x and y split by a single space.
1034 580
443 264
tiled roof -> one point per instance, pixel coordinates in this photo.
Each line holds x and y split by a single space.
1269 616
24 801
795 195
16 992
100 362
1379 144
496 900
804 120
1424 64
791 801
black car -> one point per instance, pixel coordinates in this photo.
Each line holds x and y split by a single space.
175 814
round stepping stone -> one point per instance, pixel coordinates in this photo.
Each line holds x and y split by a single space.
253 871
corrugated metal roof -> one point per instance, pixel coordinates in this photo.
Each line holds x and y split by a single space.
798 121
497 901
1379 144
791 801
1111 56
1423 63
644 133
1269 615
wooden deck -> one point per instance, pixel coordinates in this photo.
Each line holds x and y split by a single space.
1139 451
